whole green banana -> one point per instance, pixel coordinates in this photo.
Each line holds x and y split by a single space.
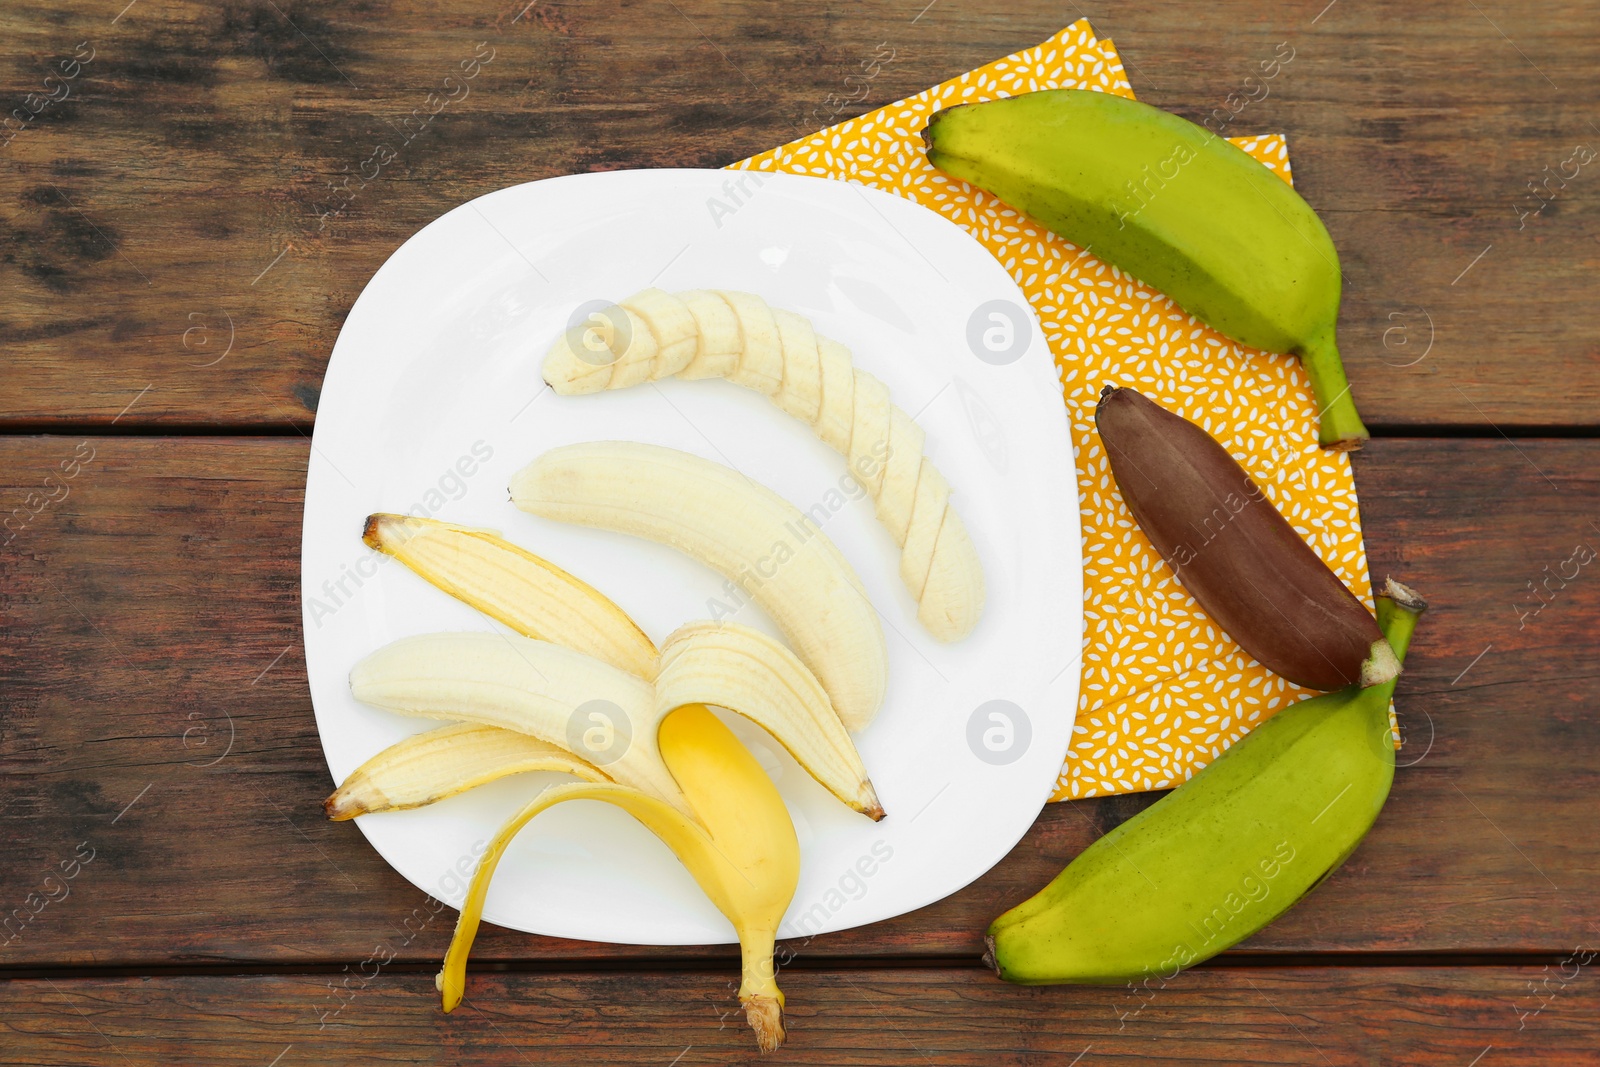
1225 853
1174 205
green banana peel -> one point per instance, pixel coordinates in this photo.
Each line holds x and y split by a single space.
1225 853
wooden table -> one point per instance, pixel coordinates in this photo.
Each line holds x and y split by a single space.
170 299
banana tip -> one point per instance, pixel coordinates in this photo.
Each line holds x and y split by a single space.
449 993
337 807
765 1016
1405 596
871 806
988 955
369 530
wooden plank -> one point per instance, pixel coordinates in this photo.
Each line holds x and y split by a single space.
172 205
1337 1017
152 617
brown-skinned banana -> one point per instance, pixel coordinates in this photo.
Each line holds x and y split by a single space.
1234 552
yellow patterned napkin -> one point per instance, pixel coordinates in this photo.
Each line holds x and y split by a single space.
1164 690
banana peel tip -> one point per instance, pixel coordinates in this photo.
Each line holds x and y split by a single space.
336 808
871 806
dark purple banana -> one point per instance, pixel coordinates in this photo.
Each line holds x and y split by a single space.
1235 553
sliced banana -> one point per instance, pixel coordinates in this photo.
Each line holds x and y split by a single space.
813 378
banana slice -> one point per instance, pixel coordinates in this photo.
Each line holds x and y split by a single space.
836 416
591 709
737 527
813 379
928 516
440 763
720 344
742 852
869 432
612 349
760 364
900 474
801 395
672 327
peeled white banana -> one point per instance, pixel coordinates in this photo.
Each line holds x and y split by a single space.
738 527
678 770
717 333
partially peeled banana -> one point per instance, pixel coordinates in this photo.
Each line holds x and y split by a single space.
682 773
530 685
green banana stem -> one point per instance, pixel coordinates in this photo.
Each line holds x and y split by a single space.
1339 424
1398 608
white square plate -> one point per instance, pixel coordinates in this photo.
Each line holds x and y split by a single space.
433 398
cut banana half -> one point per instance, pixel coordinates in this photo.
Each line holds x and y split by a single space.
776 352
740 528
742 852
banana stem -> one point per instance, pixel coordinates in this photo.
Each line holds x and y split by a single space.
758 989
1398 609
1339 424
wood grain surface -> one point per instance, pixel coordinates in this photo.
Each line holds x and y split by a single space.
192 195
153 618
1420 1017
212 176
